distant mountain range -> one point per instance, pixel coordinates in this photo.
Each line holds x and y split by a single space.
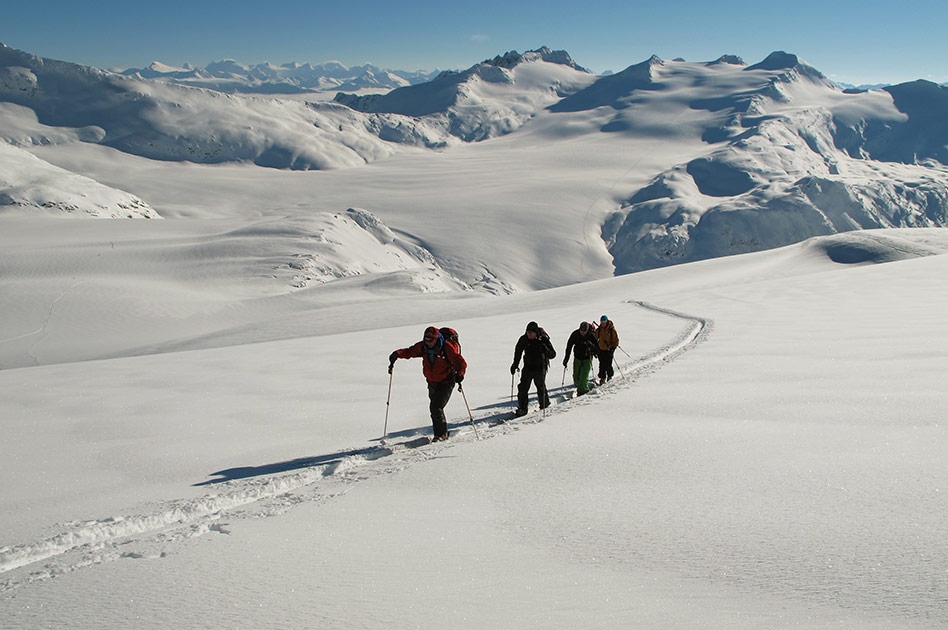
869 86
296 78
290 78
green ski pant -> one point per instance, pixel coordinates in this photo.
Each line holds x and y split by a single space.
581 370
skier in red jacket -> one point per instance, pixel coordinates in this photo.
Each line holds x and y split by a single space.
443 366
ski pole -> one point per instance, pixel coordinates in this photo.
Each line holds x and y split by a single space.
564 376
471 415
621 374
388 401
511 387
623 351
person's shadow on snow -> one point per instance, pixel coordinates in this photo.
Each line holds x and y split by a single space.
410 438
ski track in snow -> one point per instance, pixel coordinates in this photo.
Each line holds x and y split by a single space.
41 329
156 529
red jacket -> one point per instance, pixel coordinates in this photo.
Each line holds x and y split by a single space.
438 364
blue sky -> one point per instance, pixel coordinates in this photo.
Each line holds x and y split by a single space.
852 41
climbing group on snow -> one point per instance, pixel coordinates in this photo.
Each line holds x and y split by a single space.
444 367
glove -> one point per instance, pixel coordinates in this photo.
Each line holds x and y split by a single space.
513 369
458 378
391 361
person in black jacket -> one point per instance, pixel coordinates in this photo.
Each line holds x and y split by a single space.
584 346
537 350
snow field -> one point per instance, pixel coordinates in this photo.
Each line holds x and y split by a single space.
775 474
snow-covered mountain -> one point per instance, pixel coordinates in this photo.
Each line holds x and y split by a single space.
491 98
159 120
166 121
661 163
789 157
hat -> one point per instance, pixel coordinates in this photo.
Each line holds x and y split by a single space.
583 326
431 332
533 327
603 319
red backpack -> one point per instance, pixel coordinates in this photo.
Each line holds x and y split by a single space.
451 336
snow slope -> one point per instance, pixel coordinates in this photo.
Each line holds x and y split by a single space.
770 457
33 187
119 289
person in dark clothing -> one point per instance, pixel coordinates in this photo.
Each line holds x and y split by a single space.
608 341
537 350
583 344
443 366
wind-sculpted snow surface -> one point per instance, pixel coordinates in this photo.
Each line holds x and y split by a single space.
340 245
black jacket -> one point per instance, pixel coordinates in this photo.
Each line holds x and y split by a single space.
536 352
584 347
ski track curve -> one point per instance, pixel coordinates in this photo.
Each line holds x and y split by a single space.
156 529
41 329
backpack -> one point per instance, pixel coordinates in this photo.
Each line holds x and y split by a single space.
451 336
